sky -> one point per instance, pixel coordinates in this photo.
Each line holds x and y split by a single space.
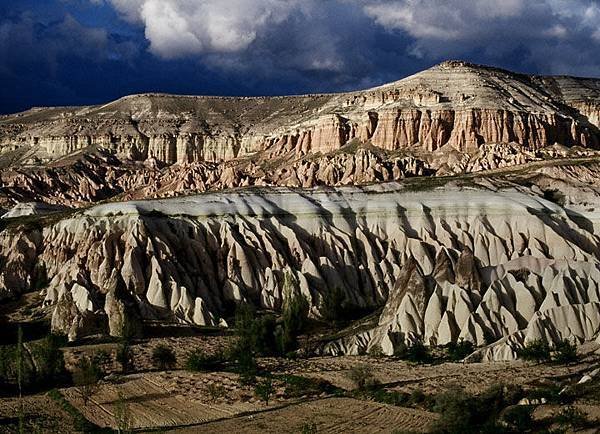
75 52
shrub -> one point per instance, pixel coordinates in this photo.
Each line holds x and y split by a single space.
41 367
397 398
462 412
565 352
264 389
163 357
122 414
571 417
417 353
294 317
519 418
552 393
215 391
296 386
361 376
376 351
457 412
458 351
245 361
537 351
488 337
262 335
332 305
199 360
295 309
309 428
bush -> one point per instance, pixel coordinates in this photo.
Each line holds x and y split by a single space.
294 319
519 418
397 398
361 376
572 417
295 312
245 361
309 428
565 352
416 353
458 351
264 389
462 412
42 367
457 412
163 357
215 391
296 386
199 360
537 351
376 351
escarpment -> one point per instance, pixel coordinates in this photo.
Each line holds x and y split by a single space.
452 105
496 268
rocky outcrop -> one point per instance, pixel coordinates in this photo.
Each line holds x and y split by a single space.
497 268
101 176
18 256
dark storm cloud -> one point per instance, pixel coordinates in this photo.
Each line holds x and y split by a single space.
83 51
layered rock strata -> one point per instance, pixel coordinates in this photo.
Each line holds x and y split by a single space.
455 105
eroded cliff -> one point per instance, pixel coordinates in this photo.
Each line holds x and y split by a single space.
497 268
454 104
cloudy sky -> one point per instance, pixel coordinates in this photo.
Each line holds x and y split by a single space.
68 52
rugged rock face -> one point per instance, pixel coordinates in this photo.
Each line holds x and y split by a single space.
497 268
455 104
101 176
498 258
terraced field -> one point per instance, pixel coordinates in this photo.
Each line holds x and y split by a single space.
330 416
165 399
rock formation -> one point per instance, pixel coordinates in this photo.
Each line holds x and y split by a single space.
497 268
454 104
345 192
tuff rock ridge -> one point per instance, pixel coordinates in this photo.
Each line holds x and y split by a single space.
497 268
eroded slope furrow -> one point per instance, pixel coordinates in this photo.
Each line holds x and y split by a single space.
447 264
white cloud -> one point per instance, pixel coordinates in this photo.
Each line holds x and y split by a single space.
540 29
452 19
177 28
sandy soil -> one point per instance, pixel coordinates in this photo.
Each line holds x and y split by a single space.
42 415
332 415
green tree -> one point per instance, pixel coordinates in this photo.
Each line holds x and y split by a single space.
362 376
198 360
519 418
20 378
264 389
124 356
86 376
459 350
565 352
537 350
122 414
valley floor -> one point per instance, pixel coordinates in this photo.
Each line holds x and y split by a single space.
181 401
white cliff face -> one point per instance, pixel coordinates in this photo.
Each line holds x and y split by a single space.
447 264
